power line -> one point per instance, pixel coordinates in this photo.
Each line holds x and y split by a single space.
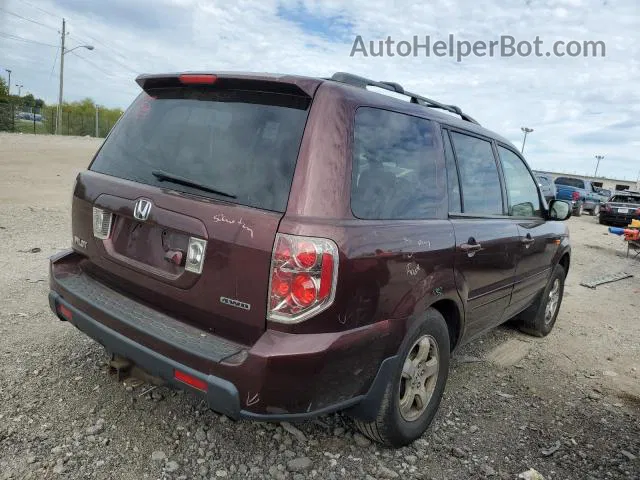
41 9
54 64
109 57
92 63
22 39
29 19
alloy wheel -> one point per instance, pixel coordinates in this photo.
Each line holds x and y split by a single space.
419 377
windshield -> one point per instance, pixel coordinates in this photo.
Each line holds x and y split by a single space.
238 146
634 199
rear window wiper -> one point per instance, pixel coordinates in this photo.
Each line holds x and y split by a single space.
170 177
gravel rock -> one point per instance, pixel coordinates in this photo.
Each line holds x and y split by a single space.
628 454
361 440
487 470
171 466
294 431
301 464
158 456
384 472
458 452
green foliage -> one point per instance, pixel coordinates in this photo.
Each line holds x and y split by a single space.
4 90
79 118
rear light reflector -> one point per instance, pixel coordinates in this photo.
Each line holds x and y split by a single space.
196 78
65 312
303 290
303 277
195 255
190 380
102 223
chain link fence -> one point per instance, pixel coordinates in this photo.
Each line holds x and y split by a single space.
39 121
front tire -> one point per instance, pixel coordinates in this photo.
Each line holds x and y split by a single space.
596 211
414 391
539 319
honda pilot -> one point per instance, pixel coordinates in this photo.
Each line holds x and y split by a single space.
288 247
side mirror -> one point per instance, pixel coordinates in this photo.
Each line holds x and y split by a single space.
559 210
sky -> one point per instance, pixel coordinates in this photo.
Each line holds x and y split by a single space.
578 106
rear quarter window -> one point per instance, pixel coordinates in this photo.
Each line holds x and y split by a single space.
398 169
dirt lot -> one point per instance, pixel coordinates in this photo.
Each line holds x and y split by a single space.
567 406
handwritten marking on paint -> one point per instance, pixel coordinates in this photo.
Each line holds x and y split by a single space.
252 400
412 269
424 243
221 218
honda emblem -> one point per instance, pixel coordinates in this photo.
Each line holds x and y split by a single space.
142 209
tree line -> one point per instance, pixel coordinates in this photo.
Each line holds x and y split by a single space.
31 115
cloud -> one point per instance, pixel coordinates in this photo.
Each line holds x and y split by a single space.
577 106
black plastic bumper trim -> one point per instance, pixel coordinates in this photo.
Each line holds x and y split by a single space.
222 395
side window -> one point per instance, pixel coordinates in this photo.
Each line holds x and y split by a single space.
398 168
479 176
453 186
521 187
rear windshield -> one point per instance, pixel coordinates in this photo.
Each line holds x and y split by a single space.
626 199
242 144
544 180
571 182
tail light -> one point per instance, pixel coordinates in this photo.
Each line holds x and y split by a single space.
575 196
101 223
304 273
637 211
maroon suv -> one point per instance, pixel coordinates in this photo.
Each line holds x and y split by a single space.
289 246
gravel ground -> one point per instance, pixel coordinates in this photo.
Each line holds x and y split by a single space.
567 406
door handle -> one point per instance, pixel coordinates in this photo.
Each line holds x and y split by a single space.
471 247
528 240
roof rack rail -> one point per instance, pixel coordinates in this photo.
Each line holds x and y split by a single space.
363 82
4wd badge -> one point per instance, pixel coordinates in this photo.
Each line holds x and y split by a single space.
232 302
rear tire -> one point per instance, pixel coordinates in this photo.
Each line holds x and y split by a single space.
539 319
579 210
414 391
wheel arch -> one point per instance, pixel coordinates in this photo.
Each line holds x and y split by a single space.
454 318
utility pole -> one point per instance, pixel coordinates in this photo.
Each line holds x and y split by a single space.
59 118
598 157
97 121
8 84
19 88
526 130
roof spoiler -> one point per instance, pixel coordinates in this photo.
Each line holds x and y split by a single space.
286 84
363 82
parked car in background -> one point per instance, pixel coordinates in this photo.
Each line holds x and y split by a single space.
290 246
604 194
620 209
580 193
547 187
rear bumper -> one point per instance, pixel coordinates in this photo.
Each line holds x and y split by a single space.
282 377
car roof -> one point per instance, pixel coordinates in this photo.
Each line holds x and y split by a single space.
309 84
